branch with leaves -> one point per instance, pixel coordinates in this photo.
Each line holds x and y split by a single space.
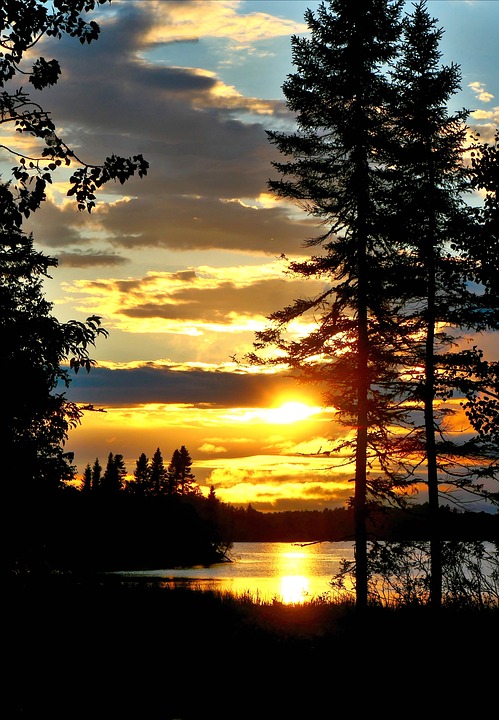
22 24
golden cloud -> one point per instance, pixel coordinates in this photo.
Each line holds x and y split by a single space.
480 91
267 485
191 302
179 21
209 448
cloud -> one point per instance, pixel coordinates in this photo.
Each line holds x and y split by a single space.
480 92
207 299
206 143
486 123
84 260
167 384
109 85
191 222
278 483
181 21
209 448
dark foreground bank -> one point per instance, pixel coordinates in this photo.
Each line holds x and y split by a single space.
94 650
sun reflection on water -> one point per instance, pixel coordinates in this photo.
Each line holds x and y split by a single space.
293 568
286 573
294 589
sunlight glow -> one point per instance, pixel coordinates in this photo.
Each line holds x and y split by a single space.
294 566
294 589
285 414
290 412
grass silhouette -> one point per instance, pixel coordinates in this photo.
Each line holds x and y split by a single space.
108 650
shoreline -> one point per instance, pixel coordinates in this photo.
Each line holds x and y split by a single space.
106 650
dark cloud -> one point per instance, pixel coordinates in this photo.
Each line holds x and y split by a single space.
164 385
185 275
172 81
57 226
85 260
189 223
107 88
177 223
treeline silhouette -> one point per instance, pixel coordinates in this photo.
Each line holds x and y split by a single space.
72 531
250 525
159 518
151 478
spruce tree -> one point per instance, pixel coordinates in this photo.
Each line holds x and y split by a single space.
173 474
86 485
141 484
180 476
339 93
113 480
158 477
434 223
96 475
187 486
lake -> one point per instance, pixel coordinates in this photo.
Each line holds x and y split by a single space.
285 572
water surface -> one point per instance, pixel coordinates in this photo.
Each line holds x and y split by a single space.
285 572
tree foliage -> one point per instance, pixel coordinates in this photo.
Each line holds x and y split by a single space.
339 93
36 416
113 479
158 479
36 348
437 230
380 162
180 472
23 24
151 478
141 476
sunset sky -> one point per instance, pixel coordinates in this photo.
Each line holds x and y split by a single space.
184 265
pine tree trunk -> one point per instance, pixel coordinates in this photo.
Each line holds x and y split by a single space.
431 452
429 409
360 495
360 505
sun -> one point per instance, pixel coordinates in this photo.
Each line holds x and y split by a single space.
290 412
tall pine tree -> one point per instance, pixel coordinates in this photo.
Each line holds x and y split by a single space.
141 484
433 223
113 480
339 93
158 479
